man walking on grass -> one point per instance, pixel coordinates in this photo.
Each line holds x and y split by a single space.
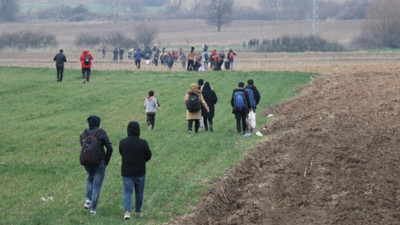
86 63
135 153
240 107
60 59
94 159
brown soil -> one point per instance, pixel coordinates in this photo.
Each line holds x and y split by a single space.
330 156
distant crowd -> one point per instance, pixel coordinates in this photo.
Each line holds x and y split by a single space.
192 60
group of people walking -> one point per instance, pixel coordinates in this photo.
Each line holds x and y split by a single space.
200 102
195 60
135 152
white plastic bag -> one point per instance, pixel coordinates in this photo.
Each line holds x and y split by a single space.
252 119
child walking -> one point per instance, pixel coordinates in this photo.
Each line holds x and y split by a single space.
151 104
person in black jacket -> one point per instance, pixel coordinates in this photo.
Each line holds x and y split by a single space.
135 153
241 113
211 99
60 59
257 97
95 174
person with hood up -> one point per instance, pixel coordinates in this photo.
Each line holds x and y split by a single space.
135 152
95 174
86 63
194 97
211 99
150 105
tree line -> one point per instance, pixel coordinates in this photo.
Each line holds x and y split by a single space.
381 27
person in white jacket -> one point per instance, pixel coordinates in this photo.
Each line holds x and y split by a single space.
151 105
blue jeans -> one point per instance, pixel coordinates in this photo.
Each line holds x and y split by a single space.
129 183
95 176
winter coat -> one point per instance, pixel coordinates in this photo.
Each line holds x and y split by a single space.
191 55
195 115
104 140
135 152
245 109
138 55
257 95
60 59
85 53
211 99
151 104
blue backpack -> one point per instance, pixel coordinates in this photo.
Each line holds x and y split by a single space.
251 97
206 57
239 100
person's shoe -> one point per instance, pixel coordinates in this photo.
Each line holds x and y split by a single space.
87 204
150 127
83 81
138 214
127 215
93 212
189 132
211 129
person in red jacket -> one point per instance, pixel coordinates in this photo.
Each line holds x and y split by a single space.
86 62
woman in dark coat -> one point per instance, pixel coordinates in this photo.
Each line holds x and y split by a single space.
211 99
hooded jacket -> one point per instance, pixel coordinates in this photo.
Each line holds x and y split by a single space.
151 104
257 95
195 115
211 99
85 53
135 152
94 124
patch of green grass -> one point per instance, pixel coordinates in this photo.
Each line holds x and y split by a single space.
41 121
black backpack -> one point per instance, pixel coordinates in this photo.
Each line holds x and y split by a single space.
193 103
91 150
87 59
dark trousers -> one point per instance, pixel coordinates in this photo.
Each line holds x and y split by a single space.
151 118
137 63
190 64
209 120
60 71
86 74
196 125
241 121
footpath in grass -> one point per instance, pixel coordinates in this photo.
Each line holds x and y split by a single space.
41 180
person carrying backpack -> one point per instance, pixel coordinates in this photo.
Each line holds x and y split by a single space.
86 63
193 101
240 107
94 160
254 96
231 57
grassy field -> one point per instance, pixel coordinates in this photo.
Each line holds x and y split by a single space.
41 180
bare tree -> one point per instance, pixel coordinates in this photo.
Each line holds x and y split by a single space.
9 10
382 23
134 5
145 34
218 12
174 5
